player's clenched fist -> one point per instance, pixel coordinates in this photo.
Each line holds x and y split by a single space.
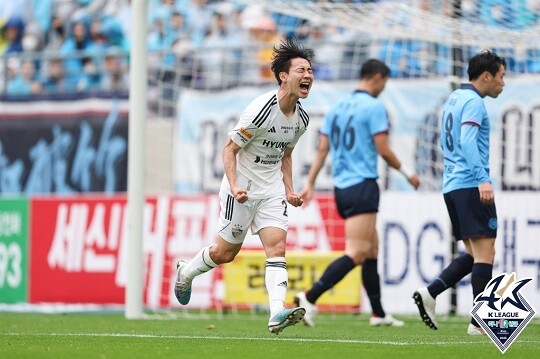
240 194
294 199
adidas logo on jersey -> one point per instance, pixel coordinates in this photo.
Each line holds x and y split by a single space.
283 284
272 129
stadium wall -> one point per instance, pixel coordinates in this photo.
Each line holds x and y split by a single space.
73 250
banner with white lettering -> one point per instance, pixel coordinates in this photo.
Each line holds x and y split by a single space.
63 146
13 250
78 246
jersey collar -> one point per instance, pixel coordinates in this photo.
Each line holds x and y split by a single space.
362 91
470 87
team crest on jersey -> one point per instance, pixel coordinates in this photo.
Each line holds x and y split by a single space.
245 134
237 230
502 311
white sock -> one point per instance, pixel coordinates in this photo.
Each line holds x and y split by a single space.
276 279
200 264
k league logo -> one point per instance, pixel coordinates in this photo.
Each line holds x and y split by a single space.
502 311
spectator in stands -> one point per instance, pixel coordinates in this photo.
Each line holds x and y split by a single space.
188 67
331 43
25 82
90 78
115 77
174 29
12 32
266 34
155 42
73 49
156 35
32 40
56 35
99 40
54 81
216 54
198 18
161 9
121 11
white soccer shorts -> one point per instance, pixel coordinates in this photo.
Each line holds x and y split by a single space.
235 218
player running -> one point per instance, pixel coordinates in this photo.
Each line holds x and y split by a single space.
257 186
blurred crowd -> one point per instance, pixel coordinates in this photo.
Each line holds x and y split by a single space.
66 46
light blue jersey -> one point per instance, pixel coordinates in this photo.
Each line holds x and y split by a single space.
465 140
350 126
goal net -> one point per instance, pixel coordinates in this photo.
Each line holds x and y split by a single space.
199 91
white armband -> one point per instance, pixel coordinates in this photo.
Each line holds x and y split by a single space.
405 171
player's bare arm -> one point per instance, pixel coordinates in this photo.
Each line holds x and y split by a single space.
286 168
230 151
383 148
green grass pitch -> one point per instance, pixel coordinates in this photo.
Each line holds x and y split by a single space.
244 335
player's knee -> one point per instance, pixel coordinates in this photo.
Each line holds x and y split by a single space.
362 252
225 257
220 255
358 256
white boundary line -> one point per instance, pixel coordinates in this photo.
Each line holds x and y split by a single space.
210 337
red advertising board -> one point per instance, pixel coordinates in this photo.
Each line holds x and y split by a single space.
78 245
74 249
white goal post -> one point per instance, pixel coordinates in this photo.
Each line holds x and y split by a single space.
136 150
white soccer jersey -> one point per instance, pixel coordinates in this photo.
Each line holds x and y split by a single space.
264 132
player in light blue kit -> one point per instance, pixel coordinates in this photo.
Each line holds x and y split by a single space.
355 131
467 188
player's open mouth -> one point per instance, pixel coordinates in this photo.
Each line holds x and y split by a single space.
305 86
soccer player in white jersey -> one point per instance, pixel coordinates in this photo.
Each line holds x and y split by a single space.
467 188
257 186
355 132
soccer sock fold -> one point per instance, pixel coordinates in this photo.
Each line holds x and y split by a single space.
451 275
372 285
480 277
331 276
200 264
276 279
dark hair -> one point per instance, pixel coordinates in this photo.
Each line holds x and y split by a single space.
372 67
483 61
289 49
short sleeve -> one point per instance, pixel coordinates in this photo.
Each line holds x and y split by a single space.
245 130
378 121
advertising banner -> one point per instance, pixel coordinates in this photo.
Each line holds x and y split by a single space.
414 109
78 250
79 254
244 279
64 146
75 250
13 250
